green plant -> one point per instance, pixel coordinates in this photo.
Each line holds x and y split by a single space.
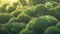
23 18
26 31
9 8
41 23
5 17
51 4
35 2
13 20
55 12
52 30
16 12
41 10
58 25
13 28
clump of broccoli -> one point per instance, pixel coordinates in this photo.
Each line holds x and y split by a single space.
51 4
55 0
14 19
37 10
5 17
58 25
55 12
41 10
9 8
23 2
52 30
13 28
35 2
23 18
2 8
41 23
30 12
16 12
26 31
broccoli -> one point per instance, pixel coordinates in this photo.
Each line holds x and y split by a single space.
41 23
5 17
14 19
35 2
9 8
52 30
13 28
51 4
23 18
58 25
26 31
16 12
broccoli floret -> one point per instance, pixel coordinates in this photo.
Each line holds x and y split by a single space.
14 19
13 28
16 12
51 4
58 25
52 30
41 23
35 2
5 17
23 18
26 31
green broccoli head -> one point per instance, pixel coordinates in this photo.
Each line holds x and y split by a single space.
16 12
35 2
23 18
52 30
13 28
14 19
2 8
5 17
55 12
41 10
51 4
41 23
26 31
55 0
58 25
29 11
9 8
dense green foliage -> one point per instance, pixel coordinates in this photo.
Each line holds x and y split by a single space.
23 18
52 30
29 16
41 23
12 28
16 12
26 31
5 17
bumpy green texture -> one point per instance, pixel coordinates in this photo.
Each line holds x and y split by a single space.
37 10
12 28
51 4
26 31
55 0
9 8
23 18
13 20
41 10
16 12
3 8
4 17
40 24
23 2
55 12
29 12
52 30
35 2
58 25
